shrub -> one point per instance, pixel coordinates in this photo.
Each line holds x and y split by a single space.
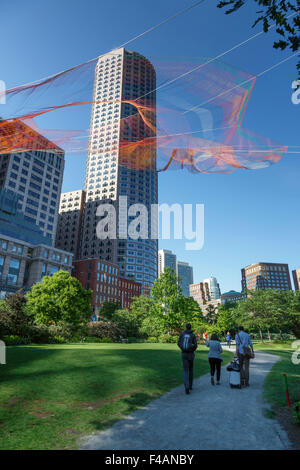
92 339
152 339
132 339
14 340
59 340
168 339
105 340
105 329
39 334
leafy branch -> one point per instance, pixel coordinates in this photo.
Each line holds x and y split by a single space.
285 14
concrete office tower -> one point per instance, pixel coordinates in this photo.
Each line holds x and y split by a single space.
35 176
296 278
266 276
69 221
112 170
185 273
214 288
166 259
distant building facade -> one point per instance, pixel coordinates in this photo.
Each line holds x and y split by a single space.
22 264
68 232
266 276
296 278
30 186
35 176
185 273
104 279
201 294
166 259
214 288
231 296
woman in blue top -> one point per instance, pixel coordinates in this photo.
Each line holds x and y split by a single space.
214 357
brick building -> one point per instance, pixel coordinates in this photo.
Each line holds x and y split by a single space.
104 279
266 276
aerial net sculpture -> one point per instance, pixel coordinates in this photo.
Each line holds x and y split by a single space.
196 123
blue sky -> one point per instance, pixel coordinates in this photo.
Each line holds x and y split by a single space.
250 216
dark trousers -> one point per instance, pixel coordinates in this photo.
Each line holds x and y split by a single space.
244 365
188 369
215 364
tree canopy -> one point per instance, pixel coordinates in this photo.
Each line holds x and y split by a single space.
282 13
59 300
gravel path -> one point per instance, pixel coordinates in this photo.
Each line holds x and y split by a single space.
211 417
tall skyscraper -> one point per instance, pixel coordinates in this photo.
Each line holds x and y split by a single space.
296 278
35 176
114 166
214 288
266 276
166 259
69 221
185 273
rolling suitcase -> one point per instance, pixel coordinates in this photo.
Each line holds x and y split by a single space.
234 374
235 379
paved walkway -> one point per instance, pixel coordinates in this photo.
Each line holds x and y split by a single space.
211 417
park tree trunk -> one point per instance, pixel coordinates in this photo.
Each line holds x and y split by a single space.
261 335
269 335
280 333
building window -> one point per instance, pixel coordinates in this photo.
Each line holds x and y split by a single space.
13 272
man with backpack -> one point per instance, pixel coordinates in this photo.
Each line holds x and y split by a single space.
188 344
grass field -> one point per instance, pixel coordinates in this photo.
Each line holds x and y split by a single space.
51 395
274 387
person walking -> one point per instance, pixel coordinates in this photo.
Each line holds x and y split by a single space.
244 351
215 357
188 344
228 338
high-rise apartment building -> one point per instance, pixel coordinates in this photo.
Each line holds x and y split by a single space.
116 166
69 221
296 278
214 288
34 176
185 273
266 276
201 294
166 259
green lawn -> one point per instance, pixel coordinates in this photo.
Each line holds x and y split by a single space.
51 395
274 386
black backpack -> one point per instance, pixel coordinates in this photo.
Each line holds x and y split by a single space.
187 343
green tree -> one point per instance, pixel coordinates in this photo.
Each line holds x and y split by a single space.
60 300
167 299
227 317
140 307
280 12
211 314
293 312
256 311
13 318
127 320
108 309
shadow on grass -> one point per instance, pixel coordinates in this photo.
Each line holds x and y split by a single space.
135 401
